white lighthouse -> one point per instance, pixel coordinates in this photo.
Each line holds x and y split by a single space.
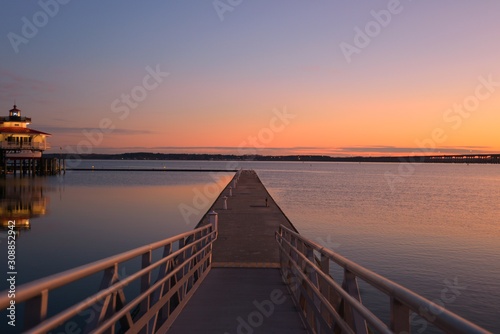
18 142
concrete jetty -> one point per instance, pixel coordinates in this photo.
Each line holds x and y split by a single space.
244 292
247 226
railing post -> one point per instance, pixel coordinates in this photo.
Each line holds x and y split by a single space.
145 281
106 306
352 316
279 239
36 310
400 317
310 273
324 287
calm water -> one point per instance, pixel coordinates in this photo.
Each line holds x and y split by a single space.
439 224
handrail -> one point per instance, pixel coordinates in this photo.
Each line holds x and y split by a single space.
29 290
180 272
298 259
47 325
369 316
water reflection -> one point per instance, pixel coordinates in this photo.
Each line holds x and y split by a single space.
81 217
21 200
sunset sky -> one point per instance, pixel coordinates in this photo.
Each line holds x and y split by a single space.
328 77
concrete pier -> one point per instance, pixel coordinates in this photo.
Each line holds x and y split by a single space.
247 227
244 292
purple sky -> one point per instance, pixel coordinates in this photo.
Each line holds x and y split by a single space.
334 77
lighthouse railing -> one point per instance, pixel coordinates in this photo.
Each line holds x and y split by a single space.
23 145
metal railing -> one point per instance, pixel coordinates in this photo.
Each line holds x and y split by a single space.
185 262
23 145
329 307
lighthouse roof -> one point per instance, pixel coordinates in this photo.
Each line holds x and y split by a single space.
19 130
14 109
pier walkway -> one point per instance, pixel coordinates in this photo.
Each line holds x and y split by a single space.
244 291
246 232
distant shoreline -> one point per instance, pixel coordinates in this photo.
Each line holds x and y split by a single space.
472 158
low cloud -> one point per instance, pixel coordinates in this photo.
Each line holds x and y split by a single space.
415 150
78 130
13 86
290 151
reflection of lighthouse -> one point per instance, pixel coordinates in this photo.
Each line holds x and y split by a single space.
20 201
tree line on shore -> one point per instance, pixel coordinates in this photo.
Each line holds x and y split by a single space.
481 158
